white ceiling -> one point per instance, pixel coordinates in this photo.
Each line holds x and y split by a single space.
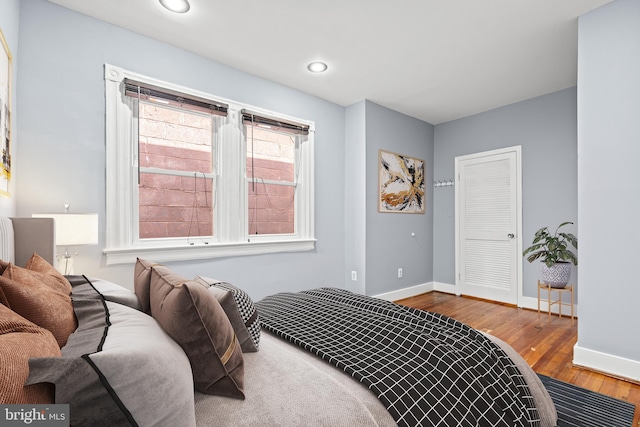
437 60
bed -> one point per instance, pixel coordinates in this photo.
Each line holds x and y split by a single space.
322 357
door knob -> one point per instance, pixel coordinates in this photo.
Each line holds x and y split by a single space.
511 235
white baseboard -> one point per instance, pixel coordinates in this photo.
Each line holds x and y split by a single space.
445 287
606 363
406 292
525 302
532 304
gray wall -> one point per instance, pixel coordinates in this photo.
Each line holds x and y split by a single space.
545 127
388 235
9 23
62 140
355 215
609 178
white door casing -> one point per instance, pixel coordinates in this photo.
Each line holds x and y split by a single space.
488 225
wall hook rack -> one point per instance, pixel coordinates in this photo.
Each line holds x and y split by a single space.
445 183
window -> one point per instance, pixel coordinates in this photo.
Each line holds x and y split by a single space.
272 169
175 178
191 176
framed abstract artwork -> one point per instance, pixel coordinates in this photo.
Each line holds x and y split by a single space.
401 185
5 116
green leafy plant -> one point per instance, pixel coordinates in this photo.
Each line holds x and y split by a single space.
552 248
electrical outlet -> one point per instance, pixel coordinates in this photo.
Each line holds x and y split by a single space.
354 275
400 273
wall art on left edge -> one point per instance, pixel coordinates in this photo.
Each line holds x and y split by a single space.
401 184
5 116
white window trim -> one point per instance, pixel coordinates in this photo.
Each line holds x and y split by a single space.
232 235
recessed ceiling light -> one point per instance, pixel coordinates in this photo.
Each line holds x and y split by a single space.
177 6
317 67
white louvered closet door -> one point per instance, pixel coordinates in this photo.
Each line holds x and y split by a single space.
487 214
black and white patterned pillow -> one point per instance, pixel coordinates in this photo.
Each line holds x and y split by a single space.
239 309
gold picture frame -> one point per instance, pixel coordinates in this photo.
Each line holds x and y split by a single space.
5 116
401 184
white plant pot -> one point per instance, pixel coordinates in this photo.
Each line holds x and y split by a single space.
556 276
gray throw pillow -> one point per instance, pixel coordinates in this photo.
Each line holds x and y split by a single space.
120 366
109 290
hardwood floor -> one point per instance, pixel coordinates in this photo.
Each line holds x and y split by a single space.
547 345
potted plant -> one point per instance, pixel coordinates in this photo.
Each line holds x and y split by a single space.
555 265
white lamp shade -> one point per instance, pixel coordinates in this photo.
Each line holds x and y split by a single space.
74 229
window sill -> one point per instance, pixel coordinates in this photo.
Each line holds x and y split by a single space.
202 251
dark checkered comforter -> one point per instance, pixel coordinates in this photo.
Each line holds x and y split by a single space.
426 368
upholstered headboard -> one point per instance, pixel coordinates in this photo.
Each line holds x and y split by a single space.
21 237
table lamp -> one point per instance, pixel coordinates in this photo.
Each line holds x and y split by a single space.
72 230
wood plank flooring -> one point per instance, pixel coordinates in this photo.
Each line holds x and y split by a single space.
547 345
